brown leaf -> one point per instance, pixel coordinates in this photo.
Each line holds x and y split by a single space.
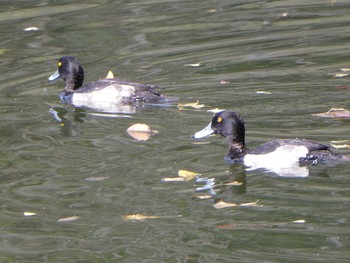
140 217
334 113
140 132
222 204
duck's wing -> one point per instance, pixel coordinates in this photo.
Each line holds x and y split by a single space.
141 92
273 145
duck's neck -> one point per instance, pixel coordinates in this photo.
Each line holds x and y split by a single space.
236 150
74 80
70 86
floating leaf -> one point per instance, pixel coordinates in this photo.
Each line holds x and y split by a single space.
140 217
110 75
341 146
340 75
334 113
234 183
140 131
173 179
68 219
187 175
200 142
223 82
344 69
222 204
216 110
300 221
263 92
194 105
211 10
340 141
193 65
204 197
31 28
96 179
250 204
29 214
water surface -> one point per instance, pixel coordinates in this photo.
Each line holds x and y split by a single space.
276 61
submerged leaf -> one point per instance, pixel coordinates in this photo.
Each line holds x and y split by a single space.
140 131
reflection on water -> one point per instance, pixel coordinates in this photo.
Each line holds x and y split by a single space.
273 61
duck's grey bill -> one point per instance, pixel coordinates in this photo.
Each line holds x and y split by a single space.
203 133
54 76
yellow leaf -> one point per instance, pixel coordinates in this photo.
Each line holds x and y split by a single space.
193 65
344 69
110 75
341 146
263 92
29 213
301 221
340 75
140 131
187 175
68 219
194 105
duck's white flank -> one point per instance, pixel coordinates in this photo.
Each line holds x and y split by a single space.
284 157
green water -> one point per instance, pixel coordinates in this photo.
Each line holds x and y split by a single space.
89 167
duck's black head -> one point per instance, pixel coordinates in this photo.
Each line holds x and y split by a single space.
70 70
227 123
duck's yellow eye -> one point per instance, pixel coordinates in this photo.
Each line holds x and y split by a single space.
59 64
219 119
